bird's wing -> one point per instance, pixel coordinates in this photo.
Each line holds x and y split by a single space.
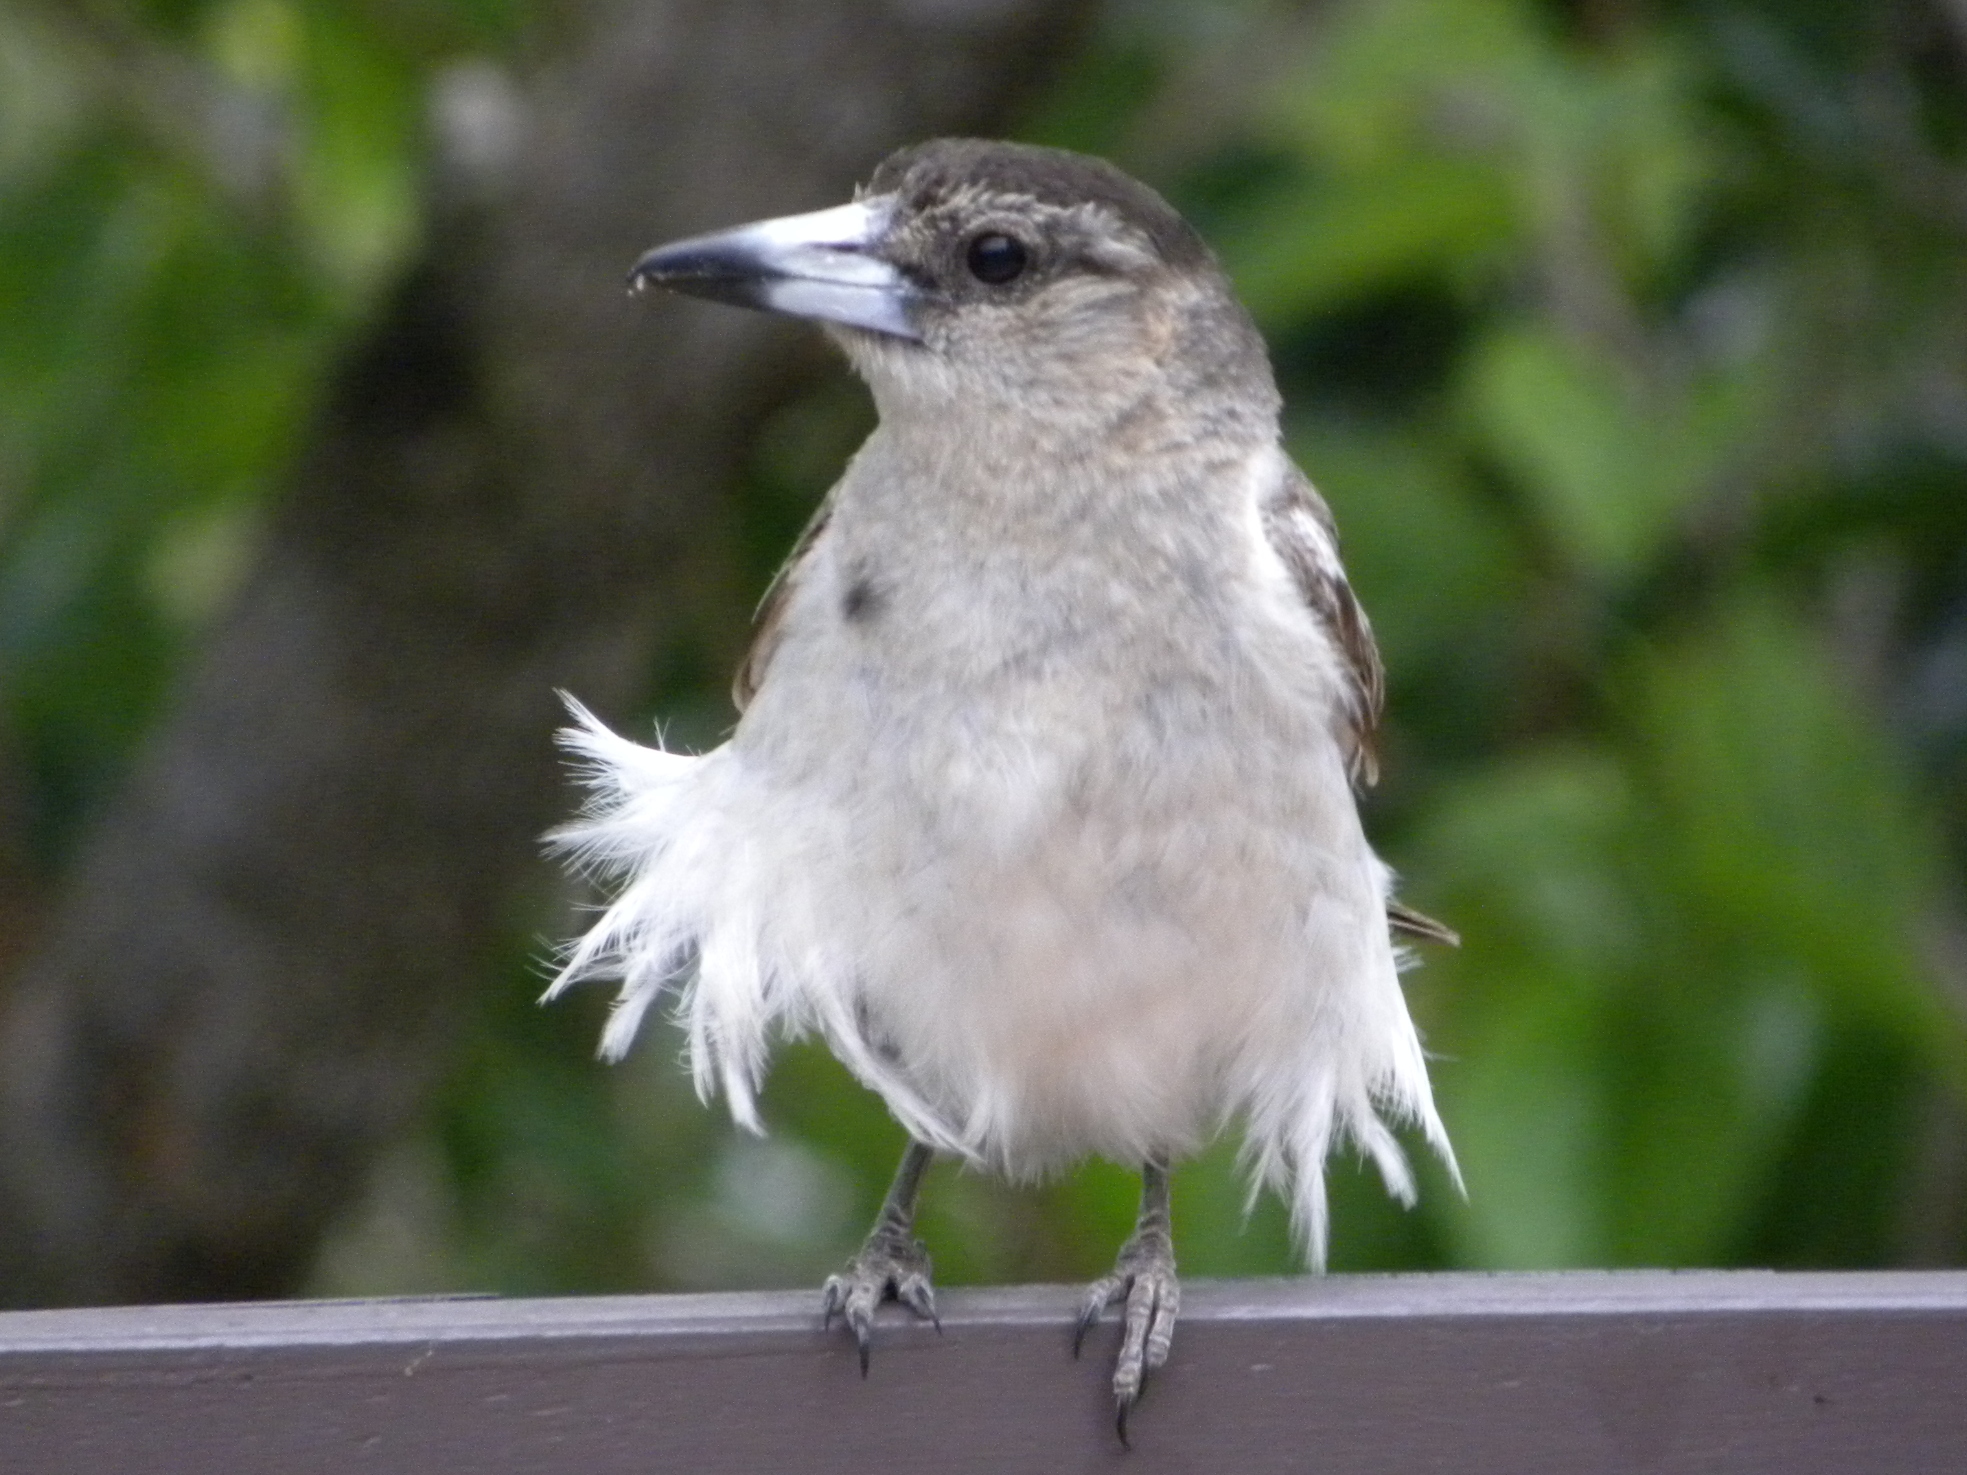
771 609
1300 528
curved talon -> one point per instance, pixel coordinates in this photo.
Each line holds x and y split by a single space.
1102 1294
1145 1275
1152 1302
833 1296
889 1268
919 1296
1153 1298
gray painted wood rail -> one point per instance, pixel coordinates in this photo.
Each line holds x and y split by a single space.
1573 1373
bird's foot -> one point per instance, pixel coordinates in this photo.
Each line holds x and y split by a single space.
892 1265
1145 1275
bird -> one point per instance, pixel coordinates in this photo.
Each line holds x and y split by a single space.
1041 808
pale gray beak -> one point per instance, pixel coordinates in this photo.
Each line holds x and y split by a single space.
822 265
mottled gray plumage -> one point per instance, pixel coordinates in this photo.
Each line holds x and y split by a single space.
1040 805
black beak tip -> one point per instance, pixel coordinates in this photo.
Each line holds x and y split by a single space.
689 267
646 273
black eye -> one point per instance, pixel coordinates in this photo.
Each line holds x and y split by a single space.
996 258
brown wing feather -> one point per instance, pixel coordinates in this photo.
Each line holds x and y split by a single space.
1300 527
771 610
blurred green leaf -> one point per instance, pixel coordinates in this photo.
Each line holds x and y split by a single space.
1337 241
1606 486
1528 861
1794 832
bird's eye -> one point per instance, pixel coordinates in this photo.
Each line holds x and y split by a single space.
996 258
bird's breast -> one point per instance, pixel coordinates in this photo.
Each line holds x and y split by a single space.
1067 804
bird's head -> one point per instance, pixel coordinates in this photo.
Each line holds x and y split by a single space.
969 273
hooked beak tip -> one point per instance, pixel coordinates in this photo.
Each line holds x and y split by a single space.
671 267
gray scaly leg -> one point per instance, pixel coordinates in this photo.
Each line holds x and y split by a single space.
892 1262
1145 1275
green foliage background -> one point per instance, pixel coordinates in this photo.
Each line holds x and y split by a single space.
1629 342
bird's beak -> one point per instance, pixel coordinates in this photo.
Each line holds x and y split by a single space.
824 265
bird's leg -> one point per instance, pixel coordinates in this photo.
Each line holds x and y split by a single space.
892 1262
1145 1274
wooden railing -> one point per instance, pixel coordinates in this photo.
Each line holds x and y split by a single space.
1571 1374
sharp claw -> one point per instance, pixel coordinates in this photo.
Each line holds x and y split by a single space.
1144 1279
923 1300
882 1271
830 1301
1151 1296
1097 1300
1086 1321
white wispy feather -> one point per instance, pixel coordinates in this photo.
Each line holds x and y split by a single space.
692 913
